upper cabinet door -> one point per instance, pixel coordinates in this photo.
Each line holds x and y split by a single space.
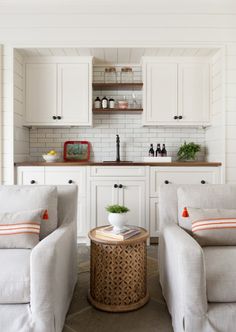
74 94
41 93
193 92
160 93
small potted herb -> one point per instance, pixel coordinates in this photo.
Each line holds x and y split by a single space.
117 216
188 151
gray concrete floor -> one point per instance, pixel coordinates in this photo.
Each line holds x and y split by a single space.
82 317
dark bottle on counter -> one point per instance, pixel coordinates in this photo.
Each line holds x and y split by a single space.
104 102
151 151
163 151
158 150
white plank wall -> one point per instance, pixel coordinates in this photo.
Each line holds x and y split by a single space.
121 24
215 134
21 134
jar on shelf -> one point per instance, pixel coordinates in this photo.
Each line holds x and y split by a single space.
111 103
97 103
126 75
110 75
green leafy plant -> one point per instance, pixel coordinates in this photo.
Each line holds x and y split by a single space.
117 208
188 151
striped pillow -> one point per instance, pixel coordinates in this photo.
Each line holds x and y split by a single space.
21 229
213 227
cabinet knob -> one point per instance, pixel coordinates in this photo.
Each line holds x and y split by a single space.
203 182
180 117
166 182
70 181
54 117
32 181
175 117
59 118
115 185
120 185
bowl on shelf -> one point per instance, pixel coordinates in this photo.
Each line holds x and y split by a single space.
50 158
123 104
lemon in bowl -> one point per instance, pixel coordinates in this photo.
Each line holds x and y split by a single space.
51 156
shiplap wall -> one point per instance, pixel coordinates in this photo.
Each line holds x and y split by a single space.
231 113
21 134
118 24
215 134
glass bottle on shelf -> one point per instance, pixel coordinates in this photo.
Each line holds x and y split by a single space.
110 75
97 103
126 75
104 102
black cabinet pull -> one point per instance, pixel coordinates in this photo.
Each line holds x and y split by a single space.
180 117
203 182
59 117
175 117
120 185
70 181
32 181
115 185
54 117
167 182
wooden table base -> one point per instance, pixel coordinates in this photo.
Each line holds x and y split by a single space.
118 273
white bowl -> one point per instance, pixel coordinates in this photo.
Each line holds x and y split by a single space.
50 158
117 220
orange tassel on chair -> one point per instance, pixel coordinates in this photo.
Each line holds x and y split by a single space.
185 213
45 215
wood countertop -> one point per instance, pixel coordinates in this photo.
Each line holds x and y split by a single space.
122 163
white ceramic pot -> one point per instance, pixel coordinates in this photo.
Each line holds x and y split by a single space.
117 220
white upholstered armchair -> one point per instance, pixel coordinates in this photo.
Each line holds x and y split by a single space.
36 285
198 283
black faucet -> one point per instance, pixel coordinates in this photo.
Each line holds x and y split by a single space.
117 148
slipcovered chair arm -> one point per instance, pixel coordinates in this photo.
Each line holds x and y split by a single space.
53 269
184 269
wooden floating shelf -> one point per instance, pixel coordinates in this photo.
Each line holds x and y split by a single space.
116 110
117 86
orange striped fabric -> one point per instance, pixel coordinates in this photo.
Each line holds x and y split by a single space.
25 227
214 223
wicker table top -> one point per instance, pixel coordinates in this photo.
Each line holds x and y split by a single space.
143 235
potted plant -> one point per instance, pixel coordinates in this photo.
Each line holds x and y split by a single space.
188 151
117 216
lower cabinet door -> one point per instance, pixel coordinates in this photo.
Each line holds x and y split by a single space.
72 176
102 194
133 195
154 217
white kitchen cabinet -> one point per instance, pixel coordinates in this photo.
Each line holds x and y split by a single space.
176 91
130 193
193 92
74 93
160 92
72 176
154 217
41 93
59 93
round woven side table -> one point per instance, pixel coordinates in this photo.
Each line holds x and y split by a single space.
118 273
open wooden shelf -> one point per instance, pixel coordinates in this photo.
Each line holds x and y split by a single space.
117 86
116 110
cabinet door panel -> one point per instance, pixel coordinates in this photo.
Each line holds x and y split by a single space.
73 93
41 91
194 92
103 194
132 195
160 93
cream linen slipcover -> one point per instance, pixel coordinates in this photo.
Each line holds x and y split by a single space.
188 273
